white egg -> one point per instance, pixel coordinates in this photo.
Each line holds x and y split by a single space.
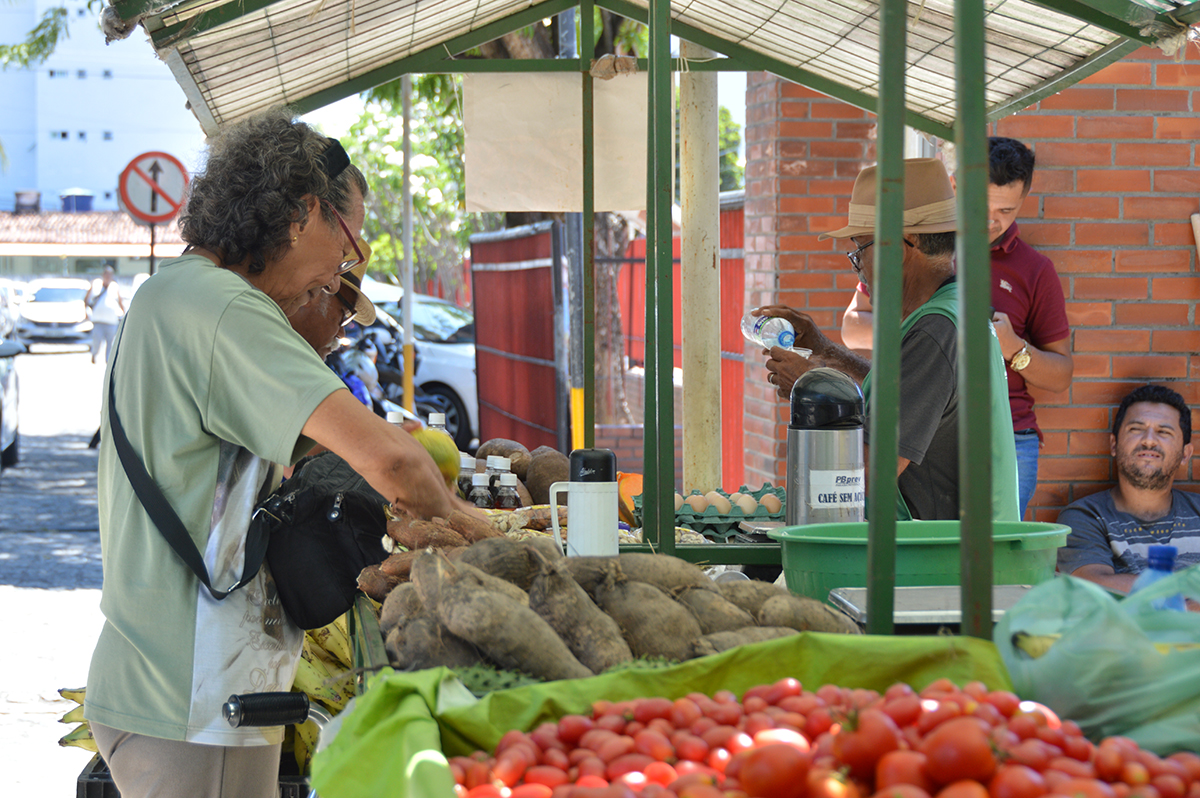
747 504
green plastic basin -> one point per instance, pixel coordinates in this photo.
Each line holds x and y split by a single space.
818 558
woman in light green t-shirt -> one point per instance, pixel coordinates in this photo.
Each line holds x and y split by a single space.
216 392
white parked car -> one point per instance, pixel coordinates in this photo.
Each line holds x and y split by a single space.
53 312
9 435
445 350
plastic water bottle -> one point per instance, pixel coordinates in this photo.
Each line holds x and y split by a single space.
466 470
768 331
437 421
1160 564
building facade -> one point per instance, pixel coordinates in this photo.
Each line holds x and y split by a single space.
69 126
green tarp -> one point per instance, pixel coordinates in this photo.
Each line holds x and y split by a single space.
394 739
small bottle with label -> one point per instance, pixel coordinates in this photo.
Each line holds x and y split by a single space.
496 465
507 497
437 421
466 470
480 495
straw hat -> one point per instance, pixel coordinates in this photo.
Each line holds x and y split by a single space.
351 288
928 201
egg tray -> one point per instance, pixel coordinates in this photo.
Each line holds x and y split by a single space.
720 527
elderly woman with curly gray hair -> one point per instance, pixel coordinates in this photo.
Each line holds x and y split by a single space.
215 392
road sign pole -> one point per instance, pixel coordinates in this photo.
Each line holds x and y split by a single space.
152 227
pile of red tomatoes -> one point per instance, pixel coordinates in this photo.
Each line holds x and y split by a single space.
782 741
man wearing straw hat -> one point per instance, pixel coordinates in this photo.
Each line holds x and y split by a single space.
927 464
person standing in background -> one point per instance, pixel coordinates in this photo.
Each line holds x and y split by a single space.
106 307
1029 310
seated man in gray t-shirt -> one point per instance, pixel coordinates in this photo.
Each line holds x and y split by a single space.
1111 530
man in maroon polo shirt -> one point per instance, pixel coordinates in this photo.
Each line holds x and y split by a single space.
1029 310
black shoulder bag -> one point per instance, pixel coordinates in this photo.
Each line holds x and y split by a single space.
317 531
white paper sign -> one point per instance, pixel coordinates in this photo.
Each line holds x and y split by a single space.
836 489
524 142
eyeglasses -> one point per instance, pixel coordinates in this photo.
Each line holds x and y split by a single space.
346 265
348 309
856 256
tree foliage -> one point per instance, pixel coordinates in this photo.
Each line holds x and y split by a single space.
441 226
40 42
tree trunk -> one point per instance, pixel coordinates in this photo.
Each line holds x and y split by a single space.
612 406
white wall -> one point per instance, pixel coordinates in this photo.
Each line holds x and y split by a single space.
138 108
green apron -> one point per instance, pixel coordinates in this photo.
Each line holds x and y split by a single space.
1004 451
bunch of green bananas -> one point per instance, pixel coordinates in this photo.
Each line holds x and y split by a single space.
81 735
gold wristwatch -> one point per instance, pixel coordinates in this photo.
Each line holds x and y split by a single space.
1021 359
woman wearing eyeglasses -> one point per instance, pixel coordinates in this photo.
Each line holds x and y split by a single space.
214 389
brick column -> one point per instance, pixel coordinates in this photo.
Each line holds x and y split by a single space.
803 151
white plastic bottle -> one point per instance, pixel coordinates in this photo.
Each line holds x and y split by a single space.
768 331
1160 563
437 421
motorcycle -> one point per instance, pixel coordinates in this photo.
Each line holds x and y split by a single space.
375 357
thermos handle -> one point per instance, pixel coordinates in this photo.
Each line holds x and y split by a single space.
555 489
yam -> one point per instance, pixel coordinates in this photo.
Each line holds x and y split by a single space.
804 615
507 632
717 642
397 525
546 466
430 572
652 623
427 535
472 526
399 564
591 572
714 612
501 557
425 643
540 547
518 456
400 605
750 594
375 583
668 573
492 583
591 635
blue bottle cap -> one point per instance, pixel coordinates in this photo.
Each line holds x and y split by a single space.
786 339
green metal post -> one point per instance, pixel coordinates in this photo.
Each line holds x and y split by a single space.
658 508
885 381
974 311
586 48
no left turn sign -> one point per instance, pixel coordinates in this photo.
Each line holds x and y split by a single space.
152 187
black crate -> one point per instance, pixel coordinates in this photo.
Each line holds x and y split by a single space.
96 782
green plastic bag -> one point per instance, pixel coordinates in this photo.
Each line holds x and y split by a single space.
395 738
1120 667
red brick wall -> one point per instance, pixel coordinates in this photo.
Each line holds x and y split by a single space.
1116 183
803 151
1117 180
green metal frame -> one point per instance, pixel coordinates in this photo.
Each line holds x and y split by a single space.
887 289
974 315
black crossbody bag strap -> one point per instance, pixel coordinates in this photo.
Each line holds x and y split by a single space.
165 517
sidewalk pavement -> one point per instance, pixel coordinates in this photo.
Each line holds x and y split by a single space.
50 572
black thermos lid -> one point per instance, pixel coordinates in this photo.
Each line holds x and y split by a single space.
593 465
825 398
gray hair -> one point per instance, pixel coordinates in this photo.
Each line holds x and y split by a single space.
253 186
